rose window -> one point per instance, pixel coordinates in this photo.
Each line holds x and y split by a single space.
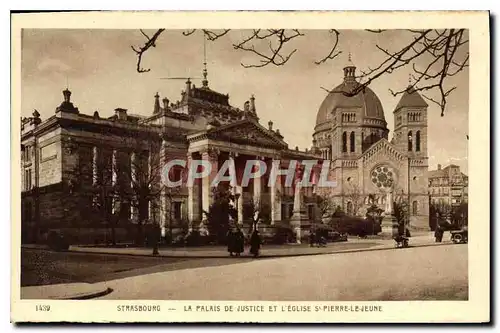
382 177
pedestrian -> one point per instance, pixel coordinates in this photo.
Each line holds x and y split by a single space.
239 241
230 236
255 242
438 233
312 238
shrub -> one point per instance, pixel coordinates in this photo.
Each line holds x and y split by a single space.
282 235
57 242
355 225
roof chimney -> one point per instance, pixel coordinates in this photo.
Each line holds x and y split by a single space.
165 103
188 87
156 108
270 124
252 103
121 114
439 166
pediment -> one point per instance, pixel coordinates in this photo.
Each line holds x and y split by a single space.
247 132
385 148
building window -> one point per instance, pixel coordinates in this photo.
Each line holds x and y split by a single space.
108 205
177 208
410 141
417 141
284 215
415 208
125 210
27 180
27 154
310 212
177 173
353 143
344 142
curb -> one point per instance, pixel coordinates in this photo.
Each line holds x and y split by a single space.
76 296
89 295
373 248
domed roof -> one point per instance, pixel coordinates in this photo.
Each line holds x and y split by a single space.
367 100
411 98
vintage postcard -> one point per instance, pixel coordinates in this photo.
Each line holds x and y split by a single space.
272 167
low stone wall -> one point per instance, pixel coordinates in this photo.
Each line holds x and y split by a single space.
419 223
93 236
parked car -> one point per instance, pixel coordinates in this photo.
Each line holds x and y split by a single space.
336 236
460 236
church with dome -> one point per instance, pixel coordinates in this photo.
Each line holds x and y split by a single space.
352 133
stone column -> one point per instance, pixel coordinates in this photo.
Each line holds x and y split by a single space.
276 193
237 190
134 211
114 165
193 197
164 210
95 167
114 177
207 197
95 174
299 218
257 190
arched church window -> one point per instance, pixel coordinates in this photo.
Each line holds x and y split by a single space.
417 141
344 142
353 143
410 141
415 208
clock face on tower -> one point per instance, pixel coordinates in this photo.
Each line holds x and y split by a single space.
383 177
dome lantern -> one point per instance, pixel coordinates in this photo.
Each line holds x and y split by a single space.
349 70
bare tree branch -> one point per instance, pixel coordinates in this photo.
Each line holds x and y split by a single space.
210 35
432 55
277 56
441 62
333 52
150 42
375 31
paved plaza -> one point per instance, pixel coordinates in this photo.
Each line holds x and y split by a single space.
359 269
425 273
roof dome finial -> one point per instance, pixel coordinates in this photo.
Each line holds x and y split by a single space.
205 72
349 70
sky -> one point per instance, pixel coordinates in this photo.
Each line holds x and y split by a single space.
99 67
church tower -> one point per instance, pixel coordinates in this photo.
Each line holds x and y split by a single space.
410 138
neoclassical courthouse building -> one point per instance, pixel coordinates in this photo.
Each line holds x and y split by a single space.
71 159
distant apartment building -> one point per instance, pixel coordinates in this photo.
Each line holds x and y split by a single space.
448 186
